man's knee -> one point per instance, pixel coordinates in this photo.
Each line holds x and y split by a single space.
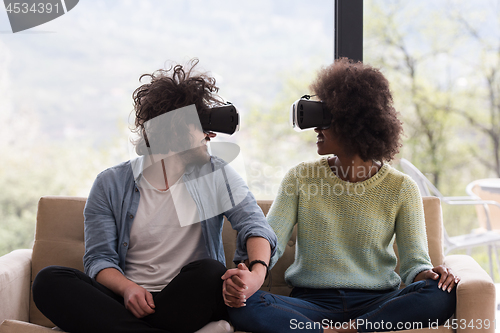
55 276
47 275
207 272
210 268
47 279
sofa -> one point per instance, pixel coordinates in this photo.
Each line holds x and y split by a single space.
59 240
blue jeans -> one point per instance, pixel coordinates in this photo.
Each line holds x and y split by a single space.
419 305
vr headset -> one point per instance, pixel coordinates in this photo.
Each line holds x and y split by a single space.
305 114
221 119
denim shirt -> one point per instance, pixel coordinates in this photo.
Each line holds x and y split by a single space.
216 189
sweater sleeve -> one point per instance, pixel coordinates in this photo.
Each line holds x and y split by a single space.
282 215
411 236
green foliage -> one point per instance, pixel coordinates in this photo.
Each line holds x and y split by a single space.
441 91
32 167
276 147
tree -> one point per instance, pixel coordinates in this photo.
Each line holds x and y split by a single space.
407 50
484 99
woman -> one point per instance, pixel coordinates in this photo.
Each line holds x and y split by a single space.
348 206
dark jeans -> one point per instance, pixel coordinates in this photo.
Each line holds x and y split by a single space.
419 305
77 303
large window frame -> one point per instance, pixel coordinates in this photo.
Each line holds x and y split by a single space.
348 29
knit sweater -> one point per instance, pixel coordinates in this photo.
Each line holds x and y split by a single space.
345 231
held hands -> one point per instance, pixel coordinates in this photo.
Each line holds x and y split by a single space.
138 300
447 279
241 283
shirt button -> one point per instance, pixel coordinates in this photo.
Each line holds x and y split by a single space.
136 189
125 244
131 216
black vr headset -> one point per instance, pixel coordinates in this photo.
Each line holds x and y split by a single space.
221 119
305 114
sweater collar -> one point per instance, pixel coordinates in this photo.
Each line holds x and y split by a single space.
368 183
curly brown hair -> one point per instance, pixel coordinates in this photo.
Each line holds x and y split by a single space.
168 90
361 103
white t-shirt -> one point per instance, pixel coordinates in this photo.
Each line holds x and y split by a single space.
159 246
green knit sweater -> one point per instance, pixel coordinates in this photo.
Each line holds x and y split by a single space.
345 231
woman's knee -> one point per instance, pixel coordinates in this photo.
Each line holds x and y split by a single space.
442 301
267 312
251 312
259 300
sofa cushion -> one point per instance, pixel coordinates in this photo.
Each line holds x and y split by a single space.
433 218
59 240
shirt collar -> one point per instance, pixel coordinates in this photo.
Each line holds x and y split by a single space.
141 162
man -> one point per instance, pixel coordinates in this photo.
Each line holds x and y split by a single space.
153 249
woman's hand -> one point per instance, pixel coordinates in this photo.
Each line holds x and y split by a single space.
233 292
447 279
241 283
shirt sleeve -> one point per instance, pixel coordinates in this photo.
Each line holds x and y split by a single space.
411 236
282 215
243 212
100 231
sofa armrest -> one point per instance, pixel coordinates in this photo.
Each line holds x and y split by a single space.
15 326
476 304
15 285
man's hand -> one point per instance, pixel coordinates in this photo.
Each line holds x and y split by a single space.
241 283
138 300
447 280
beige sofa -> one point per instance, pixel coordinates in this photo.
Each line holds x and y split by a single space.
59 241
